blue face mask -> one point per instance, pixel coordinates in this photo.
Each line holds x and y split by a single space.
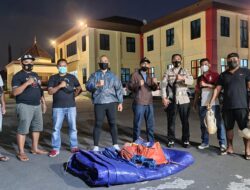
62 70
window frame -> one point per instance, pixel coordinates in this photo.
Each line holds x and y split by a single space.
104 42
195 29
150 43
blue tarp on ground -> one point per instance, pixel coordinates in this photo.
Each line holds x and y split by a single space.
102 169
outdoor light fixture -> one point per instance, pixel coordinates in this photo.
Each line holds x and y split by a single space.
53 42
82 23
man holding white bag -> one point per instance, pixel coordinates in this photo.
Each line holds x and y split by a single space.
204 91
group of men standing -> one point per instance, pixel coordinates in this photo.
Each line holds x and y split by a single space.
107 97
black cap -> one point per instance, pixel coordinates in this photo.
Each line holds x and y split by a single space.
233 55
27 56
144 60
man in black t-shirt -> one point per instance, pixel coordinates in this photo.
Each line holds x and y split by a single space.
29 96
235 82
64 87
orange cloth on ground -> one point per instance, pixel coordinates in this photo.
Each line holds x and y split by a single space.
155 152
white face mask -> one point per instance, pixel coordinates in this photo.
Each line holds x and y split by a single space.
204 68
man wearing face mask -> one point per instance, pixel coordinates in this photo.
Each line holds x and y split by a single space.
142 85
64 87
107 92
203 92
177 79
29 97
235 82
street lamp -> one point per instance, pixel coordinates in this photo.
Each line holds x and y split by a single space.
53 43
81 23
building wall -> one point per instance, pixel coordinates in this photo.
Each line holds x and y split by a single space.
230 44
89 59
190 49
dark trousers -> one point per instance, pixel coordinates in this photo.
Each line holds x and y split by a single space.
143 112
171 112
102 110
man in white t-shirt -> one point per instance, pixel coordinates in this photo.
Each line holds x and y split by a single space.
204 91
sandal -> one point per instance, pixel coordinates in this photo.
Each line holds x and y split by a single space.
39 151
247 156
4 158
22 157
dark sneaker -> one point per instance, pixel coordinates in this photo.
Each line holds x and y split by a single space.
223 149
170 144
186 144
53 153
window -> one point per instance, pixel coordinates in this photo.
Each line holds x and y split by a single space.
170 37
83 43
125 75
195 29
225 26
71 49
150 43
104 42
84 75
195 68
223 64
244 33
151 72
130 44
244 63
61 53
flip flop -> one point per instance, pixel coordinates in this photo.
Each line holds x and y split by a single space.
247 156
22 157
39 152
227 153
4 158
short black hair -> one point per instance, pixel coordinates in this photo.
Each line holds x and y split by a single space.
144 59
61 60
230 55
176 54
203 60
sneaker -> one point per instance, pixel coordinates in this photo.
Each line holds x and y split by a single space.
96 148
170 144
203 146
74 150
186 144
53 153
116 147
223 149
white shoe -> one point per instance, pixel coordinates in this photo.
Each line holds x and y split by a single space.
116 147
203 146
96 148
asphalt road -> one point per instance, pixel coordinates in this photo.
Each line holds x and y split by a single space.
210 170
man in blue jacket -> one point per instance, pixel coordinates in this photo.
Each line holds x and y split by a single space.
106 91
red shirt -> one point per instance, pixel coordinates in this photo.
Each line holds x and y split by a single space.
210 78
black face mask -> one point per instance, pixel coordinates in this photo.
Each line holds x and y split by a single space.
144 69
103 66
176 63
27 67
232 64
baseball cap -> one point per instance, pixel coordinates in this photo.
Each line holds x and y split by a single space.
27 56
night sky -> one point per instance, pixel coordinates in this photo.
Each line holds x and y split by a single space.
21 20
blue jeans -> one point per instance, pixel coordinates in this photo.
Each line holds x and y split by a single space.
58 116
146 112
221 135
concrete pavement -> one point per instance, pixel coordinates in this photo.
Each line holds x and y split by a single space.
210 170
